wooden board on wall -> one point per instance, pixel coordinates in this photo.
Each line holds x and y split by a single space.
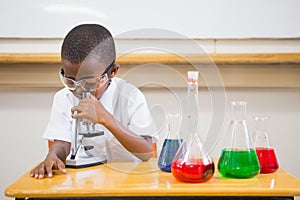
42 75
235 70
226 58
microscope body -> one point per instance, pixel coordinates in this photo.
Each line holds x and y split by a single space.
88 143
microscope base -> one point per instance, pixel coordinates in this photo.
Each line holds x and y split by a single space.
85 162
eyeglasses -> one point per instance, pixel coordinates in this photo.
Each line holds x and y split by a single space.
88 84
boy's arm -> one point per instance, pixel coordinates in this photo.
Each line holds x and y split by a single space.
54 160
140 146
93 110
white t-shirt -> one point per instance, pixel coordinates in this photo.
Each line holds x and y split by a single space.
123 100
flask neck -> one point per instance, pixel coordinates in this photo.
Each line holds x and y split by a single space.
261 131
238 110
174 121
261 123
193 83
193 106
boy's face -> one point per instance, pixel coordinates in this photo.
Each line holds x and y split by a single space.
89 68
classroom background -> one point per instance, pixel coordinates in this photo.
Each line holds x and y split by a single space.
255 45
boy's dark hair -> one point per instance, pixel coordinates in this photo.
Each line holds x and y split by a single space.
88 40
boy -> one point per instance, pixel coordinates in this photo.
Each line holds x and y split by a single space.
88 61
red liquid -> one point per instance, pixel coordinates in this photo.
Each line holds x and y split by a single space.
192 170
267 160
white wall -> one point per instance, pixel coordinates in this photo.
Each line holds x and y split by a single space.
24 114
193 19
184 46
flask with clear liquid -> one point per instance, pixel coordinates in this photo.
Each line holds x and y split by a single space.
171 143
192 163
265 152
238 158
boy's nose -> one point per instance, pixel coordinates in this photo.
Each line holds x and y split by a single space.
78 91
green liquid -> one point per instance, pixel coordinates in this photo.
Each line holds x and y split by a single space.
238 163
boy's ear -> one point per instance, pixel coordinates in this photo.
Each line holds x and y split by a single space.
114 70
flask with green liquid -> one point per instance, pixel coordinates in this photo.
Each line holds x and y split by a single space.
238 158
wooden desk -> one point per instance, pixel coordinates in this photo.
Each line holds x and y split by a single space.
145 179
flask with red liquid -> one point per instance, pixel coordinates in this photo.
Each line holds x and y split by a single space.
238 158
265 152
192 163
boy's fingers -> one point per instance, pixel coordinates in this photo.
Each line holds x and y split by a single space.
38 171
61 167
33 173
41 173
46 168
49 169
94 98
73 109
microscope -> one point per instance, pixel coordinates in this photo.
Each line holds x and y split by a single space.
88 143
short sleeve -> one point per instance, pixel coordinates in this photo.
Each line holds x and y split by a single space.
140 120
60 123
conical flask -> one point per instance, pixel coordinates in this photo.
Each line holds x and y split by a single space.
171 143
265 152
238 158
192 162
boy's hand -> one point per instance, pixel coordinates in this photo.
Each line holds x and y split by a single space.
51 162
91 109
